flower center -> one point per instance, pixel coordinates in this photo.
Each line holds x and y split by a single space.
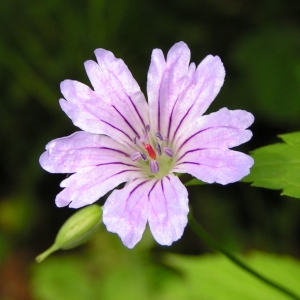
153 153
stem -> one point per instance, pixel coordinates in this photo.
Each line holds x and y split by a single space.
46 253
199 230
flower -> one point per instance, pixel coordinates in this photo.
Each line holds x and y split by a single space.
124 138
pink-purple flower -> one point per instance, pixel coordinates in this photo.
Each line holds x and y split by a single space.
124 138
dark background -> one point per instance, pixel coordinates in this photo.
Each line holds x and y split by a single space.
44 42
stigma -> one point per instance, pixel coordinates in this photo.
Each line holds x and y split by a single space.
150 151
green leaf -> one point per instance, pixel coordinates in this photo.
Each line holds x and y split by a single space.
277 166
213 276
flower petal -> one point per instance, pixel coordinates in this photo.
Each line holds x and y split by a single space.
76 94
166 80
177 92
88 186
215 165
115 85
116 108
80 150
196 98
167 210
220 130
89 111
116 73
125 211
164 202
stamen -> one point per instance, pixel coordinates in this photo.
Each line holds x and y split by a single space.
144 138
159 136
158 148
168 151
143 155
134 140
154 167
150 151
135 156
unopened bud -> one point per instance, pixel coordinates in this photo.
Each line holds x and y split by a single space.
77 230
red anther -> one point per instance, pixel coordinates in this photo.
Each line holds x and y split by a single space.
150 151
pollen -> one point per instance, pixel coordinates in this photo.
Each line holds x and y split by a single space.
150 151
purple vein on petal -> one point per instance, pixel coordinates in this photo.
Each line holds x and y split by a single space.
185 141
158 109
95 115
188 162
123 171
152 188
149 198
115 150
171 119
126 121
140 184
189 151
116 129
163 191
178 126
199 164
175 132
130 194
117 163
138 113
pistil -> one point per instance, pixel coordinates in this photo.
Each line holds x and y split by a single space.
150 151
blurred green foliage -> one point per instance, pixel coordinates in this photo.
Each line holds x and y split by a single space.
44 42
134 276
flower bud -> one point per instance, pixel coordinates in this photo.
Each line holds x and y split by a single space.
77 230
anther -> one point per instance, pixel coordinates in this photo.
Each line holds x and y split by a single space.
147 128
135 156
144 138
159 136
143 155
158 148
134 140
150 151
154 167
168 151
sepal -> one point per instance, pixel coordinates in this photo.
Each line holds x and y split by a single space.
77 230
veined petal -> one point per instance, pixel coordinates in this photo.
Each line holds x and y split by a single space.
76 94
122 78
80 150
125 211
115 85
220 130
89 111
215 165
88 186
164 202
166 80
198 95
168 210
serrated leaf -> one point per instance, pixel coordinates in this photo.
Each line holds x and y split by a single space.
213 276
277 166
